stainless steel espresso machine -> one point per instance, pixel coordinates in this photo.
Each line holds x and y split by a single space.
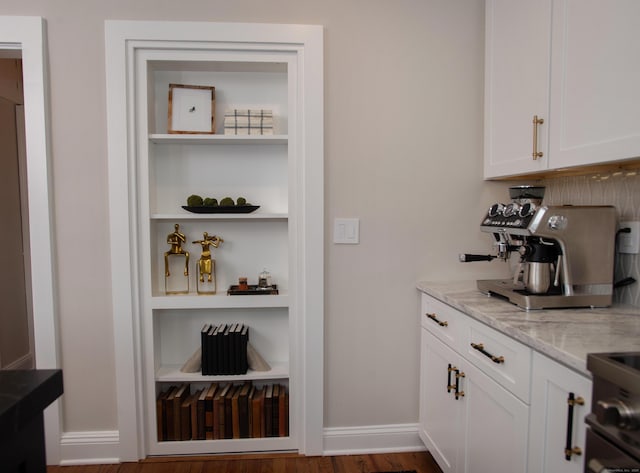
566 252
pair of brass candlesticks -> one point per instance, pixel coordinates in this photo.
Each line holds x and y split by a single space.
176 264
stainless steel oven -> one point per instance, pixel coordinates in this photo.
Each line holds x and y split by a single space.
613 433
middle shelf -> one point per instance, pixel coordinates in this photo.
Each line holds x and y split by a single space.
172 374
219 301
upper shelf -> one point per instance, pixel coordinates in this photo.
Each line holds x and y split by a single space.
161 138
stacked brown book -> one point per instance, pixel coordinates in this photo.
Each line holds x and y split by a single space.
222 411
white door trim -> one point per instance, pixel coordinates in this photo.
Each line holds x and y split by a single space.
28 34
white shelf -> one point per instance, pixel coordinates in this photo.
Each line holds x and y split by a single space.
172 374
161 138
219 301
257 215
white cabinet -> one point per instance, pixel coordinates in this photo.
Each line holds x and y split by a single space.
468 420
440 411
517 68
560 400
251 67
573 65
594 82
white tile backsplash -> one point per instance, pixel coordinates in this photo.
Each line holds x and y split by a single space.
620 189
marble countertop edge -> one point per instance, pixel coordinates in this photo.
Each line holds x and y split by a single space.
564 335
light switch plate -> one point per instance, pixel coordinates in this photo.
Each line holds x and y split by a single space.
346 231
629 242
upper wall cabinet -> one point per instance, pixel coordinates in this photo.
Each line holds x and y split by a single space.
559 85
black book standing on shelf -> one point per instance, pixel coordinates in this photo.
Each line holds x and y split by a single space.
204 357
224 349
226 345
233 348
244 340
216 348
214 355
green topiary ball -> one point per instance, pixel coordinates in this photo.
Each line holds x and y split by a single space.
227 202
210 202
241 201
194 201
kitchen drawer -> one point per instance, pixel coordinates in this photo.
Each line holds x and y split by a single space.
502 358
443 321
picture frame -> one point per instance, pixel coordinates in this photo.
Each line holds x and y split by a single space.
192 109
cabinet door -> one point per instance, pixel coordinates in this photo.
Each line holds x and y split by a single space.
494 429
517 49
552 385
595 75
439 409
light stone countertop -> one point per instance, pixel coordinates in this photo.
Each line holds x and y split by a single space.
565 335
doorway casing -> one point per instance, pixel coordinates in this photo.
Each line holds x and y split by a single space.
28 34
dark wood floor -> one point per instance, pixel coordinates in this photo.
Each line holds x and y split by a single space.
422 462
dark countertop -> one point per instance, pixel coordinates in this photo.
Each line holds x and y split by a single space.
24 394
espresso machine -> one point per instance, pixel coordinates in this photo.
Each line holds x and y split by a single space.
566 253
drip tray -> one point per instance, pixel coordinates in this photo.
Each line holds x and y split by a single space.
516 294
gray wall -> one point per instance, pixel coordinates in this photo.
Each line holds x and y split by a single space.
403 151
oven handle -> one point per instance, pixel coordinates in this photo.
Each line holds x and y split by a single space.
569 451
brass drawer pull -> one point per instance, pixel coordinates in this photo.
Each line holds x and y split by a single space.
536 121
435 319
480 348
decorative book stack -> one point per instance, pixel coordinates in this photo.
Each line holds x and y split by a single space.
224 349
248 122
222 411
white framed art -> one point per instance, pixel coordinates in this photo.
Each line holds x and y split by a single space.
192 109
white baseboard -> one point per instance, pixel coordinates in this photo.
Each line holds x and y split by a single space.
372 439
90 448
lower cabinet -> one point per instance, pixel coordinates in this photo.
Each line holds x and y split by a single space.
560 400
498 406
468 422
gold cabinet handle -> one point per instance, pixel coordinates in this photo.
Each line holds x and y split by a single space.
480 348
536 121
435 319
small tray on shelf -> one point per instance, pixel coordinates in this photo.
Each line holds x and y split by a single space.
253 289
221 209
